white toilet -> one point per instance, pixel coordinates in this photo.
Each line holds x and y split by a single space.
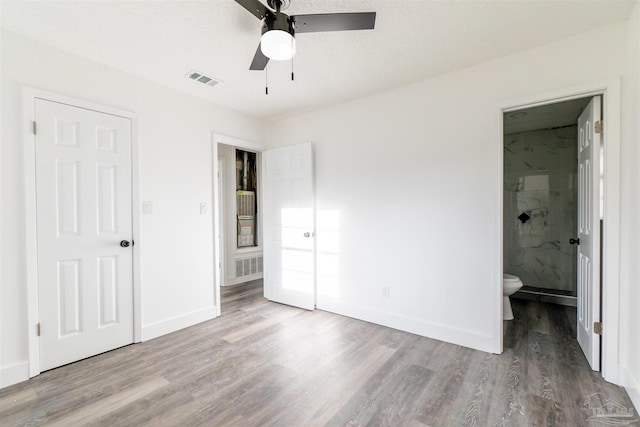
510 285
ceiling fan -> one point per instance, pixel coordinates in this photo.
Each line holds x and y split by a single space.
279 30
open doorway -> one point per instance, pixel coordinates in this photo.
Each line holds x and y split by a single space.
237 220
604 172
541 200
552 211
284 220
241 255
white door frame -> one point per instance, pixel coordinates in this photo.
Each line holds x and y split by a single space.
223 219
29 96
217 240
610 91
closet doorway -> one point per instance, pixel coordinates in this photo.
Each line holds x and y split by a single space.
238 197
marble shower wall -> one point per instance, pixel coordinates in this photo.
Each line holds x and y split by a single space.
539 181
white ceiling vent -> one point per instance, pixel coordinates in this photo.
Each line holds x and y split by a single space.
199 77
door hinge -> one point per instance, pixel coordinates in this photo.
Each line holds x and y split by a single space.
597 328
38 329
597 126
33 127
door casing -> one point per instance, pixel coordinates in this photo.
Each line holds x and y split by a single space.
29 95
610 92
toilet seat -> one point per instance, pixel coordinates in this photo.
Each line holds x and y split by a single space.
510 278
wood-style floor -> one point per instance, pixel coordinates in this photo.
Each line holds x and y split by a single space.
264 364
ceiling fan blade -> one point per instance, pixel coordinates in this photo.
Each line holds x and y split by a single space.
334 22
255 7
259 60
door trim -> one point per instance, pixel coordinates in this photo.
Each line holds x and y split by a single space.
216 139
611 98
29 96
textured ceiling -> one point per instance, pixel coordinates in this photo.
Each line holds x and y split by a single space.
163 40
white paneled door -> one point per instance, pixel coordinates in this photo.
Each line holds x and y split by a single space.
84 232
289 239
589 145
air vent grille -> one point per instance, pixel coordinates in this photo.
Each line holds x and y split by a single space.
202 78
249 266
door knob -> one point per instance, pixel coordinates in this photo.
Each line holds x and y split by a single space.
124 243
307 234
574 241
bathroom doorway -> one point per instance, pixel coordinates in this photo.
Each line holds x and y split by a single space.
609 280
553 209
541 200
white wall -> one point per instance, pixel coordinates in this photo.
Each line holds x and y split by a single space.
630 241
175 140
413 176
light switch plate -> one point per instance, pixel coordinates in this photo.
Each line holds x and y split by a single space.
147 208
204 208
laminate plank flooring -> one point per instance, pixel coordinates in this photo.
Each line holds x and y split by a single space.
267 364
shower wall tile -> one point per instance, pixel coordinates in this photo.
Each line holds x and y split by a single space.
539 180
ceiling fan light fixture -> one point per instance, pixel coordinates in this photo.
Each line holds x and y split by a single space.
278 45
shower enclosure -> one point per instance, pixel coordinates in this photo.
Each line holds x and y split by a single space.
540 212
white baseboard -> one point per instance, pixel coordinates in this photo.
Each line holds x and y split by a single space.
466 338
179 322
632 385
244 279
232 281
13 374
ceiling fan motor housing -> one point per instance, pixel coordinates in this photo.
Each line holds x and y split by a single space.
278 21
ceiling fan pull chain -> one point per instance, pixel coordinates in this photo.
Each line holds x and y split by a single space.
266 81
292 60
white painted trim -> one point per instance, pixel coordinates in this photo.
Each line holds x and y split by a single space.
135 223
497 312
236 142
438 331
221 207
13 374
631 385
232 281
218 243
610 91
29 95
217 221
176 323
243 252
31 244
611 235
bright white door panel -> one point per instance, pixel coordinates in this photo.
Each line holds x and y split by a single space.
589 232
289 247
83 194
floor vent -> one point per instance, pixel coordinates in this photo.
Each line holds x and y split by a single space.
248 266
204 79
